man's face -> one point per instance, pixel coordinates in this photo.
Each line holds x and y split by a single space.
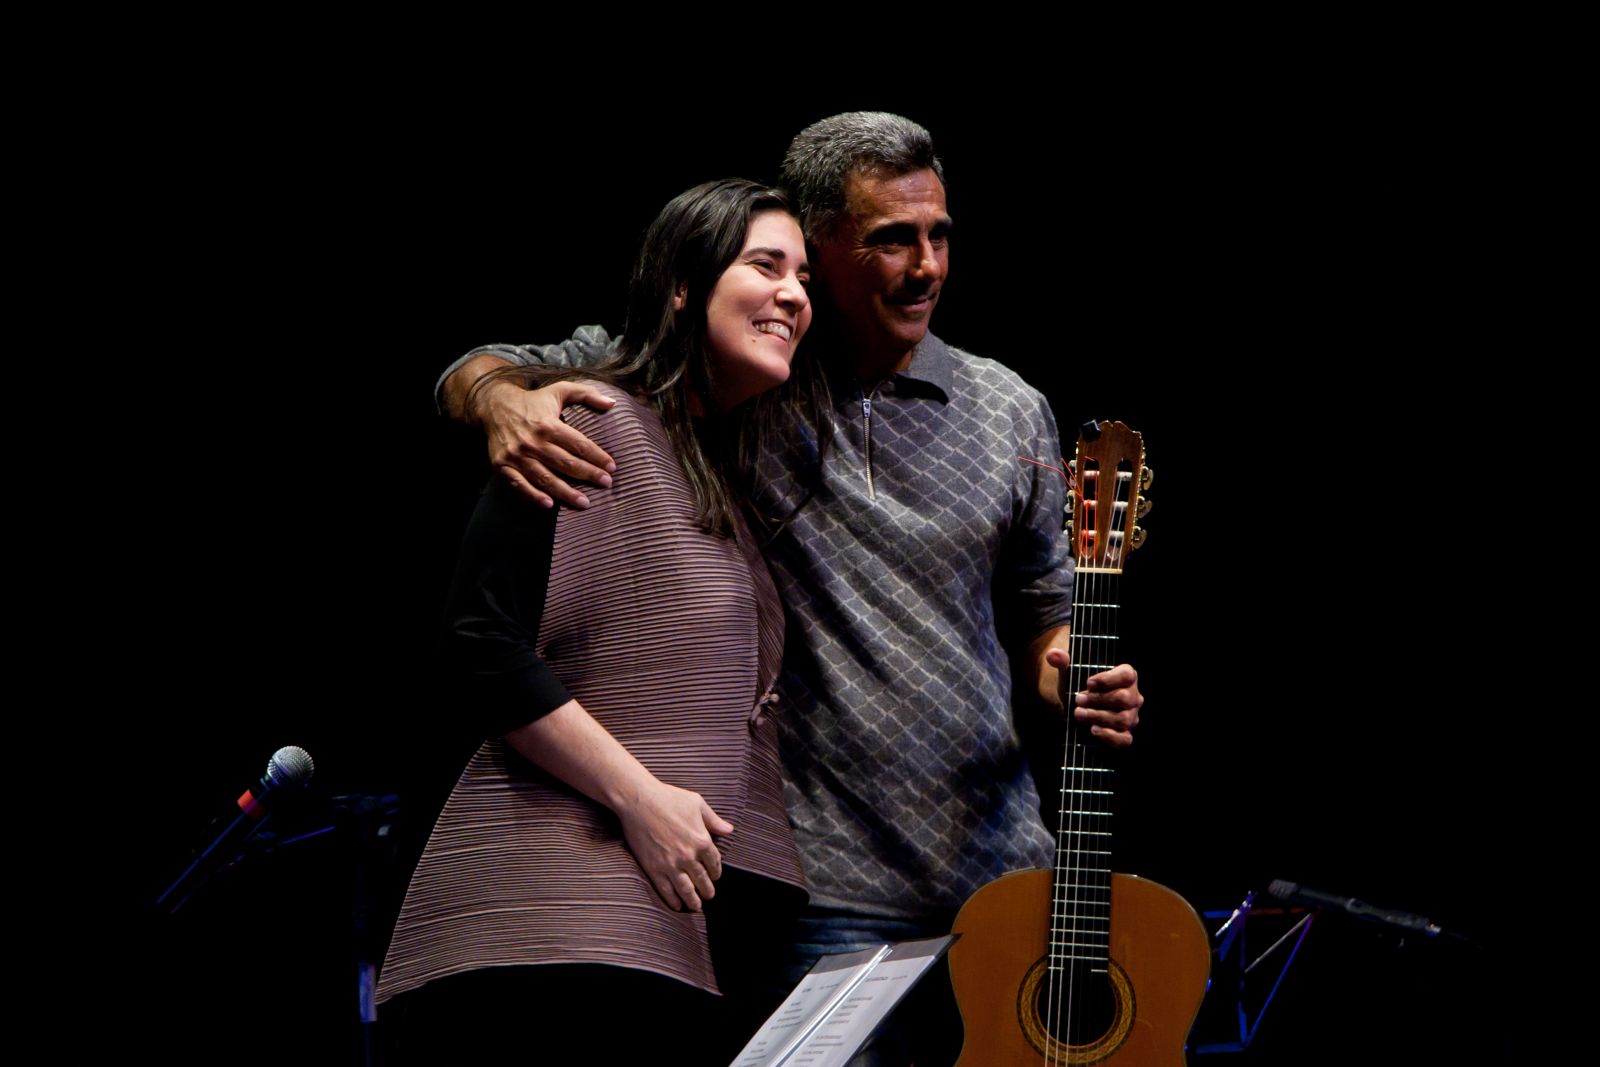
884 264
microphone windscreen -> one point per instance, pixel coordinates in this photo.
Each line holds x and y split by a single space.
290 767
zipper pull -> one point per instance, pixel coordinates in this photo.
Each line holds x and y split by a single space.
866 407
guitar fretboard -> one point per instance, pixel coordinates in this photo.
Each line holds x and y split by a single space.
1080 931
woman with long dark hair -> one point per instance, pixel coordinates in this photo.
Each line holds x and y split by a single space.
623 656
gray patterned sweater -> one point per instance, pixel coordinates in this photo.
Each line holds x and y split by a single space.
929 548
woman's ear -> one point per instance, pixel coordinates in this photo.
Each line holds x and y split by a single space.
681 297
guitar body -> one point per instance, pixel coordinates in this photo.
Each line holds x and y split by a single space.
1161 962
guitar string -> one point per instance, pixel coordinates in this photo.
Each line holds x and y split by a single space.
1055 978
1125 495
1062 919
1053 957
1106 655
1096 607
1069 912
1086 874
1083 757
1109 655
1069 916
1074 485
1080 675
1075 857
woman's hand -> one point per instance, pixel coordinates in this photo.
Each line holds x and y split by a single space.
669 830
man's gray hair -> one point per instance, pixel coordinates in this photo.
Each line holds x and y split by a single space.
824 155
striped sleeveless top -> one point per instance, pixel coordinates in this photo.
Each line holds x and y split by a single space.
672 639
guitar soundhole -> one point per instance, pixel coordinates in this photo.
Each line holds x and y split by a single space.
1079 1020
1080 1011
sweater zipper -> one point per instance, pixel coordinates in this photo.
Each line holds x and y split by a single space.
866 414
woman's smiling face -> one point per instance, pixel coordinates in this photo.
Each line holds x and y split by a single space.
758 311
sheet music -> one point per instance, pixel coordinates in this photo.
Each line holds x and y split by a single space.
824 987
835 1008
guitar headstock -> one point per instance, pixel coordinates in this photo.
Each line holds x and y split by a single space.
1105 498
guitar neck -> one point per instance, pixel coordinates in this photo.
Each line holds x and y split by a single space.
1107 476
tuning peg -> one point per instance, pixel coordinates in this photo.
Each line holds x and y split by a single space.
1138 536
1146 477
1143 507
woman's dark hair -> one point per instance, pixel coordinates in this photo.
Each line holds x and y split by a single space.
662 354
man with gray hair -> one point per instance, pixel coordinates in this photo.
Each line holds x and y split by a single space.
919 553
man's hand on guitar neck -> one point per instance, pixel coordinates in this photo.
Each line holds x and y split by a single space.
1110 701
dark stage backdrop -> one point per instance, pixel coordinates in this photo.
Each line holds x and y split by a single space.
1271 293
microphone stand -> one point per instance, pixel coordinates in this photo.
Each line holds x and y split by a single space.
1303 905
362 829
1234 966
230 836
360 826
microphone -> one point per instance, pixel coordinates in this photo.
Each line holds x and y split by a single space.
290 768
288 771
1402 920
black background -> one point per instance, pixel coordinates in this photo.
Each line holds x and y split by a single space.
1276 288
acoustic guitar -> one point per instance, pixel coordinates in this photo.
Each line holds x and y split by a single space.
1079 965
